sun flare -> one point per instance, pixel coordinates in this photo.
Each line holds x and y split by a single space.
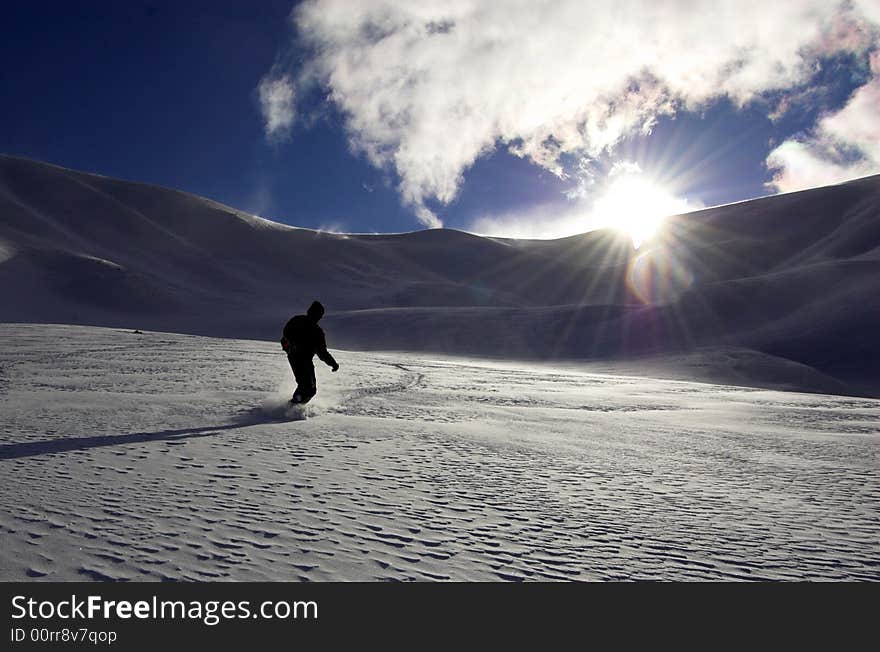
636 205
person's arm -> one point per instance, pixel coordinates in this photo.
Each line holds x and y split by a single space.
285 340
323 353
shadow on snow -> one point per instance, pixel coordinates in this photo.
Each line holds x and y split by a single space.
251 417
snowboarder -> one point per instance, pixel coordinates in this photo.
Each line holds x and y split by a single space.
302 339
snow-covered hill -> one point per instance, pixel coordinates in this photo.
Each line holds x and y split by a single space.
787 279
140 457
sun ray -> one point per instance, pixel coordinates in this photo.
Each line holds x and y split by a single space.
636 205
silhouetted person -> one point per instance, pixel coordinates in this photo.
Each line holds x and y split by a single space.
303 339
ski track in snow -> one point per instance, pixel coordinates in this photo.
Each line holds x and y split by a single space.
161 456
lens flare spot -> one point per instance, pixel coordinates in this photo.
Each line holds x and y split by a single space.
7 252
658 276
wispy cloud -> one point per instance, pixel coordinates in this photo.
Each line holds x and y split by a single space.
540 222
844 145
277 105
428 87
336 228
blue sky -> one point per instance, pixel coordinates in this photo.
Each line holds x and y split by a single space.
497 117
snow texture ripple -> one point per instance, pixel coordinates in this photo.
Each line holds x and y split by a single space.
158 456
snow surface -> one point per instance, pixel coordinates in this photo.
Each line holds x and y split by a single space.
162 456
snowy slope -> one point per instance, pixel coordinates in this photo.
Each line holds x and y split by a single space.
160 456
793 277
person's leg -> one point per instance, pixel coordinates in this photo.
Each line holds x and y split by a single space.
313 381
304 372
295 366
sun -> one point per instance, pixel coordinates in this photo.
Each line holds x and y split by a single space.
636 205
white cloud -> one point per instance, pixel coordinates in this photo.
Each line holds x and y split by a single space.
277 105
428 87
870 9
845 145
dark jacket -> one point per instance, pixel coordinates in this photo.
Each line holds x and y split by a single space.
305 339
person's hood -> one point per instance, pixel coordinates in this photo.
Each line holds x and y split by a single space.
315 311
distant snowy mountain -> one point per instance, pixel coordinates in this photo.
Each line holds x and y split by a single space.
793 276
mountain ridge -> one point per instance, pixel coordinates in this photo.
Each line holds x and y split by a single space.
791 276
